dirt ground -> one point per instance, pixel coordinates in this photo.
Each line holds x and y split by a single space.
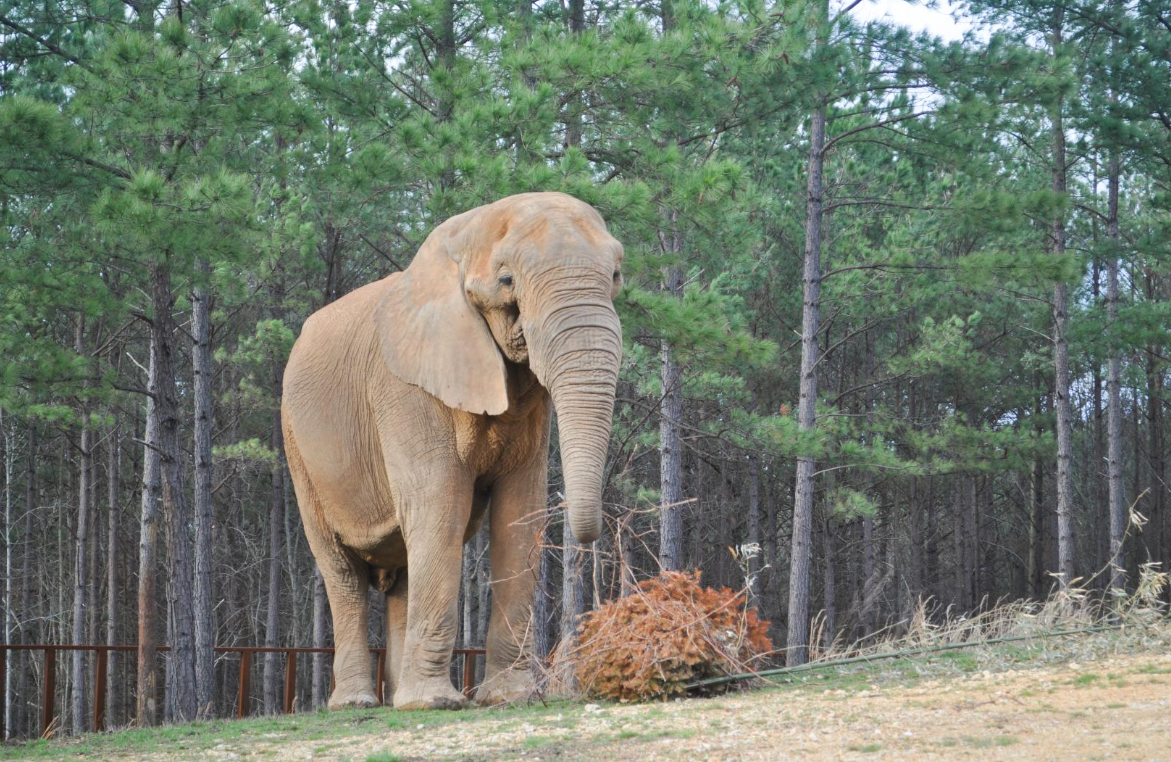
1116 709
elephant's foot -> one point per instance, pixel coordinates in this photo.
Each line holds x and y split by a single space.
506 686
428 693
344 697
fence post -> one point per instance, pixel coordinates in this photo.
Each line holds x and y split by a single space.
50 689
245 684
290 680
469 672
100 691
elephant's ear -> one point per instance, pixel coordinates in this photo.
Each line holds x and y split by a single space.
433 338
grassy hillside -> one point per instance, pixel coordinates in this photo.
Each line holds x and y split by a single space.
1093 696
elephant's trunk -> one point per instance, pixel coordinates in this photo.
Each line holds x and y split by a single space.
575 350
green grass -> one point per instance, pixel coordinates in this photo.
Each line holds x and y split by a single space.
325 731
317 727
990 742
384 756
869 748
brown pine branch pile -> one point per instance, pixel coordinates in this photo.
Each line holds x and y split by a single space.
669 632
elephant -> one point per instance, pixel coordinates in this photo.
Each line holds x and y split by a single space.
417 404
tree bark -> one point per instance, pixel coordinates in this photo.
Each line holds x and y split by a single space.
78 704
181 672
869 555
147 709
273 671
801 554
26 613
1117 500
204 593
671 403
543 605
1153 537
9 618
1037 523
754 521
829 586
573 594
276 526
113 592
320 638
670 439
1065 549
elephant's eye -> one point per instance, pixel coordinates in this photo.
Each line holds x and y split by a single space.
506 280
617 274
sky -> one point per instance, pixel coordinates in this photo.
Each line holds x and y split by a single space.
918 17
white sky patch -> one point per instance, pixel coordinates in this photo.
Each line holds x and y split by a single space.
941 19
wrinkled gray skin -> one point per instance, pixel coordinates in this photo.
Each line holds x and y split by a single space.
417 403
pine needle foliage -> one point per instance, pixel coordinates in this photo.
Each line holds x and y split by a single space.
671 631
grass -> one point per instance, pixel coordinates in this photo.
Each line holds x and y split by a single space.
990 742
262 737
317 727
384 756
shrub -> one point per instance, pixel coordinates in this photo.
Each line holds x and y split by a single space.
668 633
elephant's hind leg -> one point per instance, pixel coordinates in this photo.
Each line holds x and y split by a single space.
396 633
346 583
347 586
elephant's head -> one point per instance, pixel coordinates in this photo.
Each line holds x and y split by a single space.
530 279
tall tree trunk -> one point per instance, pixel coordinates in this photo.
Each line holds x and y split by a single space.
1100 531
1153 537
829 586
276 526
670 436
147 709
931 573
1065 549
9 619
753 564
1117 500
573 570
573 593
671 404
1037 524
468 595
483 578
180 579
320 638
113 593
79 712
801 554
869 580
204 593
543 605
26 614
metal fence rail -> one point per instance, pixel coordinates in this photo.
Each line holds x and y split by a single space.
49 684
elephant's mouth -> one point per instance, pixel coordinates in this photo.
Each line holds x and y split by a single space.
516 341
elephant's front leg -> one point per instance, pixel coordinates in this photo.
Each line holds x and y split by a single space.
516 519
434 526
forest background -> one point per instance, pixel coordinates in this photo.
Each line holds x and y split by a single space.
895 314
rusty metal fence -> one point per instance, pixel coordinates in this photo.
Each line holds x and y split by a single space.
244 683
